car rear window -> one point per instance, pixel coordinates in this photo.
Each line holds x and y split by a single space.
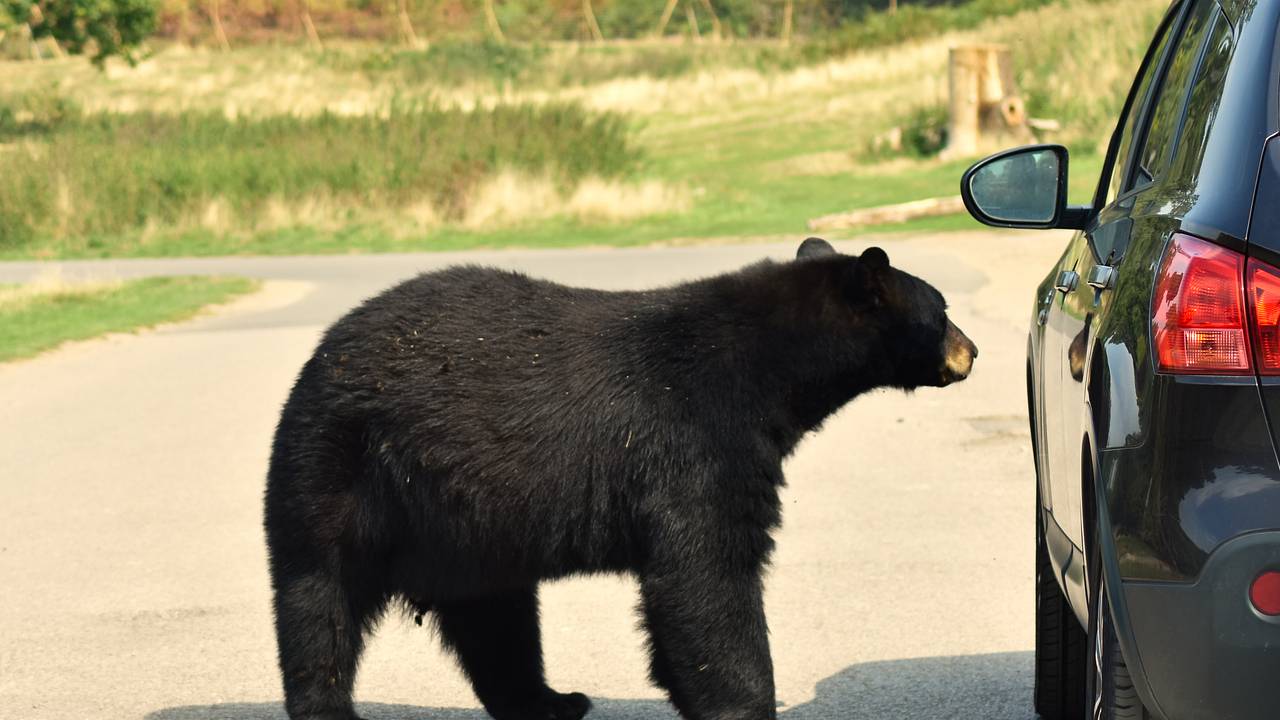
1205 98
1149 73
1166 114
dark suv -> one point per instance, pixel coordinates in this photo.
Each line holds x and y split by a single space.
1153 384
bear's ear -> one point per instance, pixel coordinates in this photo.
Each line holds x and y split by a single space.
814 247
869 274
873 259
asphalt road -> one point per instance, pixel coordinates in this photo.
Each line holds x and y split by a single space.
133 576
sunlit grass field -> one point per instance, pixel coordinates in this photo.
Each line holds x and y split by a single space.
728 148
44 314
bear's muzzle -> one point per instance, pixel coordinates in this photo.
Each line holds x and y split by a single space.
958 354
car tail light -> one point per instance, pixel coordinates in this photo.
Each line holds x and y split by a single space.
1265 593
1200 322
1264 294
1198 314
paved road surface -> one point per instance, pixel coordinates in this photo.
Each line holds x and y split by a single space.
132 568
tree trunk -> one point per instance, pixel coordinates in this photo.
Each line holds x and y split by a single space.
33 49
37 18
491 20
985 105
893 6
787 11
717 30
219 34
692 18
593 27
407 35
313 37
666 18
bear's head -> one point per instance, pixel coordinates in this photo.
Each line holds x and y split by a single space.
915 344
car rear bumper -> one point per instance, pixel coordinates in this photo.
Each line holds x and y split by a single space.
1206 653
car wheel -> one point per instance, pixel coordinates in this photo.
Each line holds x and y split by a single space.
1113 694
1062 662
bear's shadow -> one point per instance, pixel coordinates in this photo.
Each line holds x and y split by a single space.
993 687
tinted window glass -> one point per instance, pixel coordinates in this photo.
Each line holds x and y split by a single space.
1166 115
1205 98
1143 84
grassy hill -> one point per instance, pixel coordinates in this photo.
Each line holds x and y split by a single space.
706 142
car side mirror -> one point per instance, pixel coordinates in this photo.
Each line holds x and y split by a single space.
1022 188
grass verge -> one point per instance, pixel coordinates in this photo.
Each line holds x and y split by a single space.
44 314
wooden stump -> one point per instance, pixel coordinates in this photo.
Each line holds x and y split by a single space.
985 107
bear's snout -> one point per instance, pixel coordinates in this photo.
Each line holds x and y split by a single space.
958 354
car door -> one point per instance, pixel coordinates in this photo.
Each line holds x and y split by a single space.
1140 154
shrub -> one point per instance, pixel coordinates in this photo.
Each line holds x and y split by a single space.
108 27
924 131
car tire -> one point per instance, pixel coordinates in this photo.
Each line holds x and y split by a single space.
1062 661
1113 694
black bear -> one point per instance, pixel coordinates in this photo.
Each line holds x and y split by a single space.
472 432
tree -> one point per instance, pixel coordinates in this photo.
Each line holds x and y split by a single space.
215 17
491 21
589 15
313 37
666 18
103 27
407 35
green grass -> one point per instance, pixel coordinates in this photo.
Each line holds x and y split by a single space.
109 175
37 318
739 207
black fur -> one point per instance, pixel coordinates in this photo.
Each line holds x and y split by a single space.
470 433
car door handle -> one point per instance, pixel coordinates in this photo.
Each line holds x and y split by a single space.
1102 277
1067 281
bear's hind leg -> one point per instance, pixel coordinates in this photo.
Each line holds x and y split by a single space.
323 611
498 642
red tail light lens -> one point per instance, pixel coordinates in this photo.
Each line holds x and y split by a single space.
1264 296
1265 593
1198 314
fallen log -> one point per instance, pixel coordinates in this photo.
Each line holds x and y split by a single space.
900 212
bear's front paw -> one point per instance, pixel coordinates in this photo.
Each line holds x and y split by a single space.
566 706
546 705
